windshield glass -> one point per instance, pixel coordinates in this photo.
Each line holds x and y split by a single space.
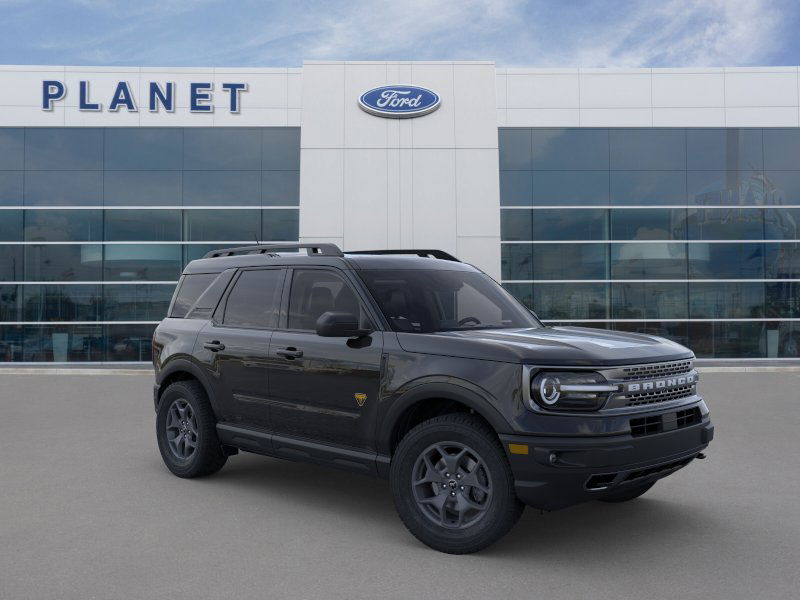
426 301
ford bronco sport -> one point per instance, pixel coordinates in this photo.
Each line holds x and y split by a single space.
413 366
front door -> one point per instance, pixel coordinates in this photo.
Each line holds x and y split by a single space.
234 346
324 389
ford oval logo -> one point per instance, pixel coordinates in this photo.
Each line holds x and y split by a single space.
399 101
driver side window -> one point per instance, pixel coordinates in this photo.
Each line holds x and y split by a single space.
317 291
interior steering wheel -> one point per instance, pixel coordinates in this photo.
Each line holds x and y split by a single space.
466 320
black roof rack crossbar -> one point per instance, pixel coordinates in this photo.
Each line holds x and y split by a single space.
440 254
314 249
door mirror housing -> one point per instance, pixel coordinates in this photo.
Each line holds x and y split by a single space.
340 324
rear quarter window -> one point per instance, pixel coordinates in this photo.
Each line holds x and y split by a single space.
189 290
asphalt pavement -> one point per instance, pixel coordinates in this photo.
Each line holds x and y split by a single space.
87 510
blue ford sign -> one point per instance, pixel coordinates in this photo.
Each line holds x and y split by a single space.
399 101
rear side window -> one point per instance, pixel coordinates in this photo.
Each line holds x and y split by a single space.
254 299
314 292
189 291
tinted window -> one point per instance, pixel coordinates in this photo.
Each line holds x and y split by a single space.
280 188
554 301
723 149
570 149
129 342
62 302
280 148
648 261
515 149
64 148
191 287
142 262
649 224
67 262
726 223
11 263
726 300
64 188
554 188
221 148
213 188
63 343
142 188
10 226
782 149
645 300
11 188
648 187
280 225
516 188
63 225
136 302
10 303
222 225
554 224
254 299
730 187
142 225
143 148
648 149
12 144
315 292
726 261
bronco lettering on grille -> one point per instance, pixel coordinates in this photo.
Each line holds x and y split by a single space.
659 384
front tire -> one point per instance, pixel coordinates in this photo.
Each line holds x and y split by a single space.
452 484
186 430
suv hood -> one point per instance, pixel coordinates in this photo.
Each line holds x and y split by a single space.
567 346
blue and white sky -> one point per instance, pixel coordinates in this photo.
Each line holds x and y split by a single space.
536 33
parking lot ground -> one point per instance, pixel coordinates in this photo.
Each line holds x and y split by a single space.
87 510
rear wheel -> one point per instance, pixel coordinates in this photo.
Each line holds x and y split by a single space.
628 493
453 486
186 431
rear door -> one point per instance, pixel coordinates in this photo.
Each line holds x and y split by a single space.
324 389
234 345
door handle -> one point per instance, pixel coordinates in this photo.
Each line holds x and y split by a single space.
214 346
290 353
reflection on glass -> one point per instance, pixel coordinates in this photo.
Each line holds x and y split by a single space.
63 148
782 148
142 188
63 188
726 224
62 343
142 225
724 149
280 148
726 300
731 188
61 302
515 149
722 339
782 260
221 188
131 343
11 339
648 300
222 148
280 188
12 148
10 226
221 225
280 225
11 193
648 149
150 262
516 261
648 187
63 225
783 299
136 302
516 188
569 261
554 301
726 261
564 188
522 292
67 262
10 304
648 261
570 149
143 148
649 224
672 330
11 263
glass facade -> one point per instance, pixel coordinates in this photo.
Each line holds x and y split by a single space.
96 225
691 234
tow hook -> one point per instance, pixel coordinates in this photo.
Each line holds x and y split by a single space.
700 456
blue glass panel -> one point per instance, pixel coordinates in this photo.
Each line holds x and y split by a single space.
130 343
63 262
11 188
782 260
221 188
280 148
648 149
63 225
648 224
648 261
11 340
10 225
516 261
672 330
12 148
63 188
522 292
726 224
648 300
10 306
556 188
142 262
724 149
11 263
280 188
63 148
730 188
136 302
783 187
63 343
726 300
222 225
726 261
142 225
648 187
783 299
143 188
515 149
728 340
61 302
280 225
570 149
222 148
566 301
569 261
516 188
143 148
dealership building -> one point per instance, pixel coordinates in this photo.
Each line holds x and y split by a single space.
662 201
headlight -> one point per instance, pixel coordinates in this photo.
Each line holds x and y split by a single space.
570 390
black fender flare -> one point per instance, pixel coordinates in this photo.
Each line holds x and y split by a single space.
186 365
460 391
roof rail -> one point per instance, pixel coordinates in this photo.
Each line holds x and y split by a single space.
314 249
440 254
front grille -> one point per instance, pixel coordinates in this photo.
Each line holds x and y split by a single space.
656 370
666 422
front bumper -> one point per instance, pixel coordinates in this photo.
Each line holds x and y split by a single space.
587 468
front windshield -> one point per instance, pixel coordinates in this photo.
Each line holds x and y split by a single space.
427 301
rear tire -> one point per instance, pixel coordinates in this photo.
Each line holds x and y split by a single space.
452 484
628 494
186 430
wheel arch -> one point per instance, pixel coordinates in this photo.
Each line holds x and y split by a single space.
181 369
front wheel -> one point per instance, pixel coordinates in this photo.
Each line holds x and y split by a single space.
452 484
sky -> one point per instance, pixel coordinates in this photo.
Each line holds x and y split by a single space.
268 33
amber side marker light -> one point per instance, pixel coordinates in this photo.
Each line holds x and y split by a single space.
518 448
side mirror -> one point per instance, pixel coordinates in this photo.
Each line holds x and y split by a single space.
340 324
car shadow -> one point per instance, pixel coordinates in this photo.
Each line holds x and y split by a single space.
593 531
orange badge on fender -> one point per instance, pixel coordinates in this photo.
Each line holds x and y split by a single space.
360 398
